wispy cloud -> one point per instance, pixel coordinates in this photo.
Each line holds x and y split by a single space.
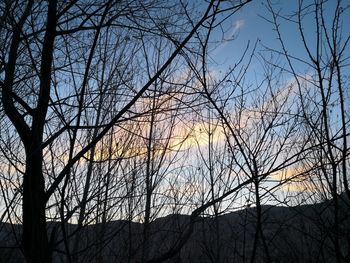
296 179
236 26
233 30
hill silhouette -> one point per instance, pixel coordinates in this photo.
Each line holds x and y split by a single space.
292 234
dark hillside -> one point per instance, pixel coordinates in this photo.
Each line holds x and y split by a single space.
292 234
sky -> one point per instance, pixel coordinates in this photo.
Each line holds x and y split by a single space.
250 24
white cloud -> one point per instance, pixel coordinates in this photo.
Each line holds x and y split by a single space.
230 33
236 26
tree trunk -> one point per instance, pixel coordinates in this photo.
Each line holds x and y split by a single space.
35 241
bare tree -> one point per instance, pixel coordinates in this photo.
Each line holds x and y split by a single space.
320 78
53 53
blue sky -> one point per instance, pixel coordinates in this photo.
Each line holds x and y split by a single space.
249 24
